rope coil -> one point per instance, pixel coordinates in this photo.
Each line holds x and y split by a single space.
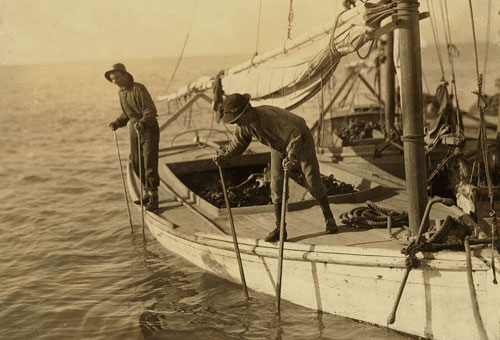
374 216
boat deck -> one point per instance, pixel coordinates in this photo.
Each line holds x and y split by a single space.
303 226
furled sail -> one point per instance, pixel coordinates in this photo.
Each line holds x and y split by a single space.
291 74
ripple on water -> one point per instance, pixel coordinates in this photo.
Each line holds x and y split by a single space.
72 190
33 179
70 267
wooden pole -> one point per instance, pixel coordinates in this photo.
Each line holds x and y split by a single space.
233 232
141 189
472 292
348 78
123 181
411 107
176 114
497 150
371 89
392 316
446 201
284 200
390 84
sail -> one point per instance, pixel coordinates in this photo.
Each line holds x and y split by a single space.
291 74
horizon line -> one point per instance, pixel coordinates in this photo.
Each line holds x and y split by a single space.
135 58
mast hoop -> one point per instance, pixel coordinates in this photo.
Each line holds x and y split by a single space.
417 138
409 7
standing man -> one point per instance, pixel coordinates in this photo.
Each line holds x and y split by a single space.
138 107
290 141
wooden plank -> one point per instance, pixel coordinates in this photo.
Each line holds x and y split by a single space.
179 112
207 98
192 208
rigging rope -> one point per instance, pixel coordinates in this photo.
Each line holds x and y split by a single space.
474 38
290 19
452 64
183 47
436 39
321 98
482 144
488 25
196 131
355 83
258 28
211 126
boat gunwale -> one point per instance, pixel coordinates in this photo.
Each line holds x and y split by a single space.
346 255
343 255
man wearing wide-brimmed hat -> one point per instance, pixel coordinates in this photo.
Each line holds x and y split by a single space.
138 108
290 141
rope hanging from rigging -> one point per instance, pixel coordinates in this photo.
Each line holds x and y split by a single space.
183 48
482 145
290 19
452 52
447 127
258 29
436 39
488 26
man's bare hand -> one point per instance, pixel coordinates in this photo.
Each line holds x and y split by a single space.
289 162
113 126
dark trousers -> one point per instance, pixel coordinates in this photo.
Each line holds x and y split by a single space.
308 165
150 140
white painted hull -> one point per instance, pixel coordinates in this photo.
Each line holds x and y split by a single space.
353 282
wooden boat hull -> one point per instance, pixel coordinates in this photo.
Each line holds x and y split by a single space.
354 282
362 153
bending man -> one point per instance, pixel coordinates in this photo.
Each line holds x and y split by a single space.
138 107
290 141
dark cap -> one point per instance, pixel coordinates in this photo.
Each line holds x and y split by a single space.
234 106
119 67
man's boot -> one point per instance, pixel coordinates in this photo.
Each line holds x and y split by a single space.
330 225
152 204
145 199
275 234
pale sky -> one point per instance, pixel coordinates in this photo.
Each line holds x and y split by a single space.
51 31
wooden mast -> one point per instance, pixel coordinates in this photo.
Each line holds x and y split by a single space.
390 83
497 144
411 108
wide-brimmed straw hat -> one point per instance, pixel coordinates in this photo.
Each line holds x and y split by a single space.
119 67
234 106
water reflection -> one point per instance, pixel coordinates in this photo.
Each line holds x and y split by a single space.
183 302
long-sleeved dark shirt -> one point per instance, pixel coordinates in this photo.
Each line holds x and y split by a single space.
272 126
137 104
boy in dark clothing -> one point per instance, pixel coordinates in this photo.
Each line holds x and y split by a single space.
290 141
138 107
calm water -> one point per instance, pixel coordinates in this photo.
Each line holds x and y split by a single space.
70 268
